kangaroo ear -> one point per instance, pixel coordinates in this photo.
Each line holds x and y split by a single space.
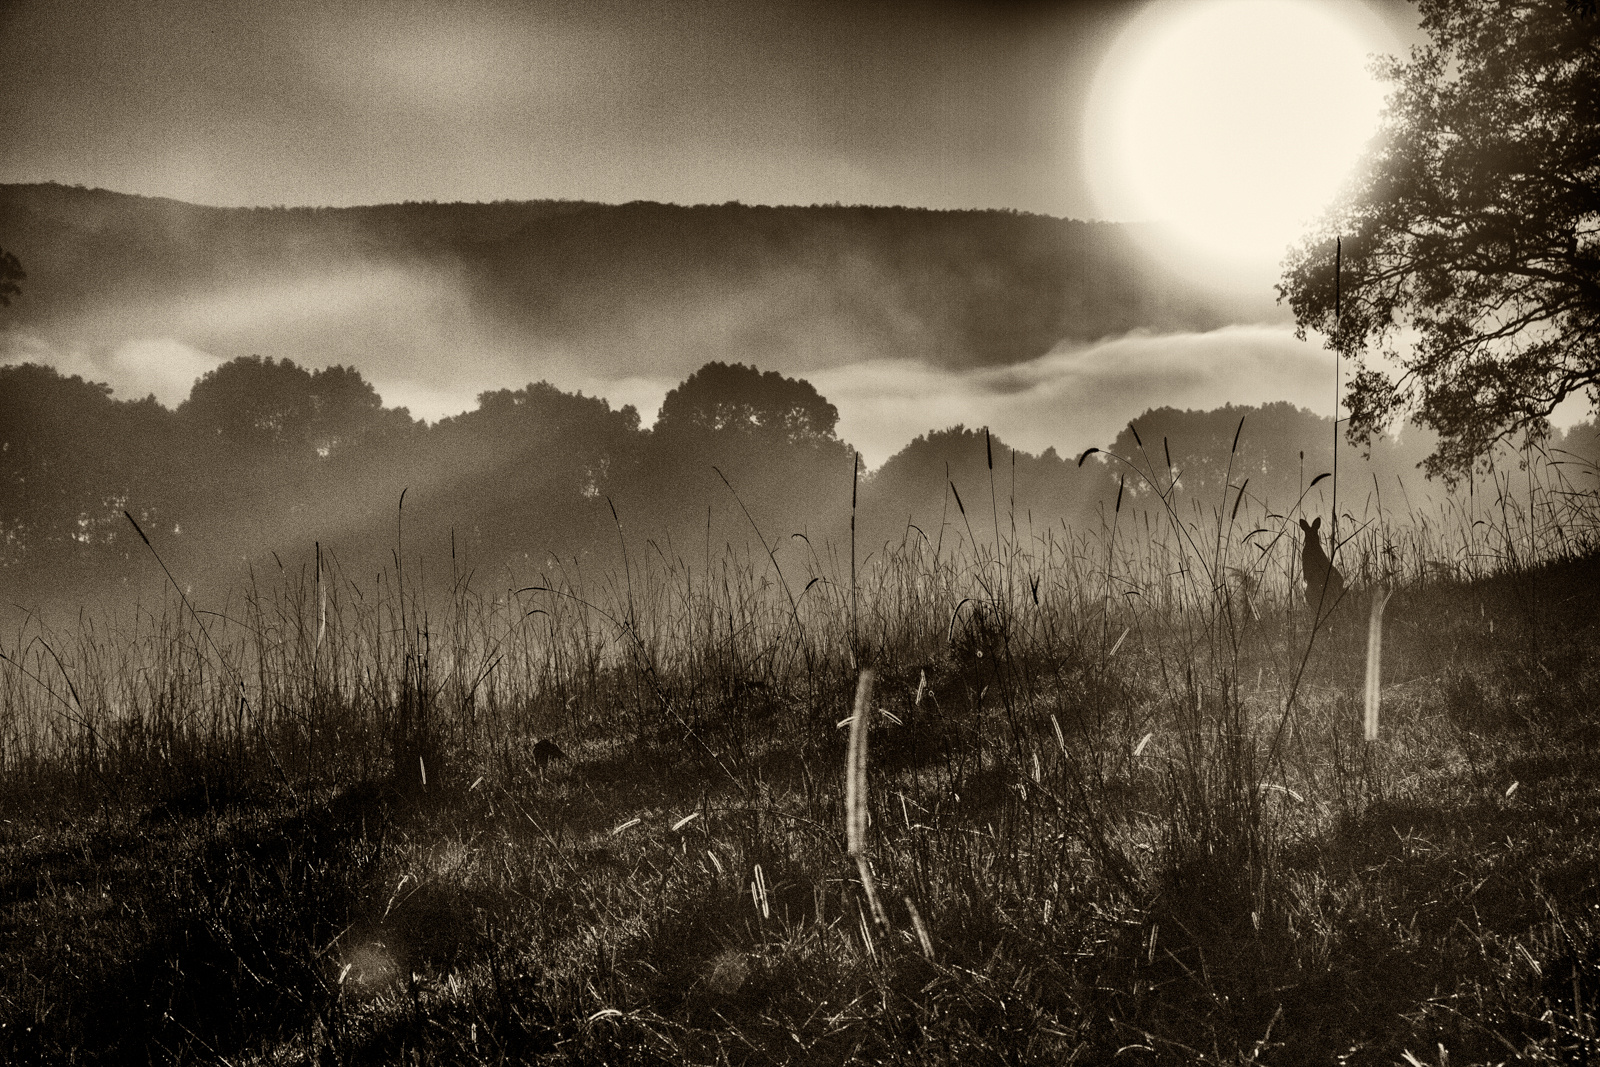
1316 524
1306 526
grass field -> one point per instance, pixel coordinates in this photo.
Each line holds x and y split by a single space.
1116 804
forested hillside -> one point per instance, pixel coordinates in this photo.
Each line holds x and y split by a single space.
959 287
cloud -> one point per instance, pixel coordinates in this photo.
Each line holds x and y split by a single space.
1069 399
421 343
1078 396
428 401
158 366
161 366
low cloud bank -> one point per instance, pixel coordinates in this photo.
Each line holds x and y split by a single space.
1078 396
167 368
152 366
1069 399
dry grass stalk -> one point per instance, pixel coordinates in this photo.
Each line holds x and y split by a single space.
923 937
758 893
866 935
855 794
322 603
1380 597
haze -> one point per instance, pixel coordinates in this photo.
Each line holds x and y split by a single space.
938 105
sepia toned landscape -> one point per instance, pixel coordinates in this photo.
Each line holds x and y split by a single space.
537 629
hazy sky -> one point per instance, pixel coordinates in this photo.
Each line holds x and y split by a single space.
1106 109
221 102
688 101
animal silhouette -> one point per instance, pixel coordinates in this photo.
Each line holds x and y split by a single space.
1323 585
546 752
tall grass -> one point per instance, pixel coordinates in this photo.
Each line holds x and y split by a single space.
1094 755
322 673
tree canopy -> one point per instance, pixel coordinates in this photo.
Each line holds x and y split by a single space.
71 459
722 396
1470 290
10 274
268 406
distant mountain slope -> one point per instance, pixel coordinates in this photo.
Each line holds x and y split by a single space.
791 284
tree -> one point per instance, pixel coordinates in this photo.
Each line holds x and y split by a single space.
10 274
768 438
996 484
1471 234
720 396
72 459
1212 453
527 472
537 441
269 408
1272 453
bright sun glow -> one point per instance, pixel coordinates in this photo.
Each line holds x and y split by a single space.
1233 122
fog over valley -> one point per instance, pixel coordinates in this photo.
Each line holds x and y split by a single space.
250 382
985 316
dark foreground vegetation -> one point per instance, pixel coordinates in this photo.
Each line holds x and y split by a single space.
1121 808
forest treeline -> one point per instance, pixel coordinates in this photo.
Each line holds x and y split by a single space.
266 460
954 287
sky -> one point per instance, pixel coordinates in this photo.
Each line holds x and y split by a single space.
1111 109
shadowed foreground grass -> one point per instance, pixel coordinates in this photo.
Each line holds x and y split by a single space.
1147 834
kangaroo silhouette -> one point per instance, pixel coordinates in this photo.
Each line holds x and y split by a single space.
546 752
1323 584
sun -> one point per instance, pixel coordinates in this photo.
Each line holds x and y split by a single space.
1232 123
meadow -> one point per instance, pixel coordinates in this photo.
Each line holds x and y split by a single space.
1110 799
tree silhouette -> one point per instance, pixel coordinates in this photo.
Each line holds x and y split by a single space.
277 410
285 455
998 486
71 460
722 396
770 438
1472 228
527 472
10 274
1278 452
